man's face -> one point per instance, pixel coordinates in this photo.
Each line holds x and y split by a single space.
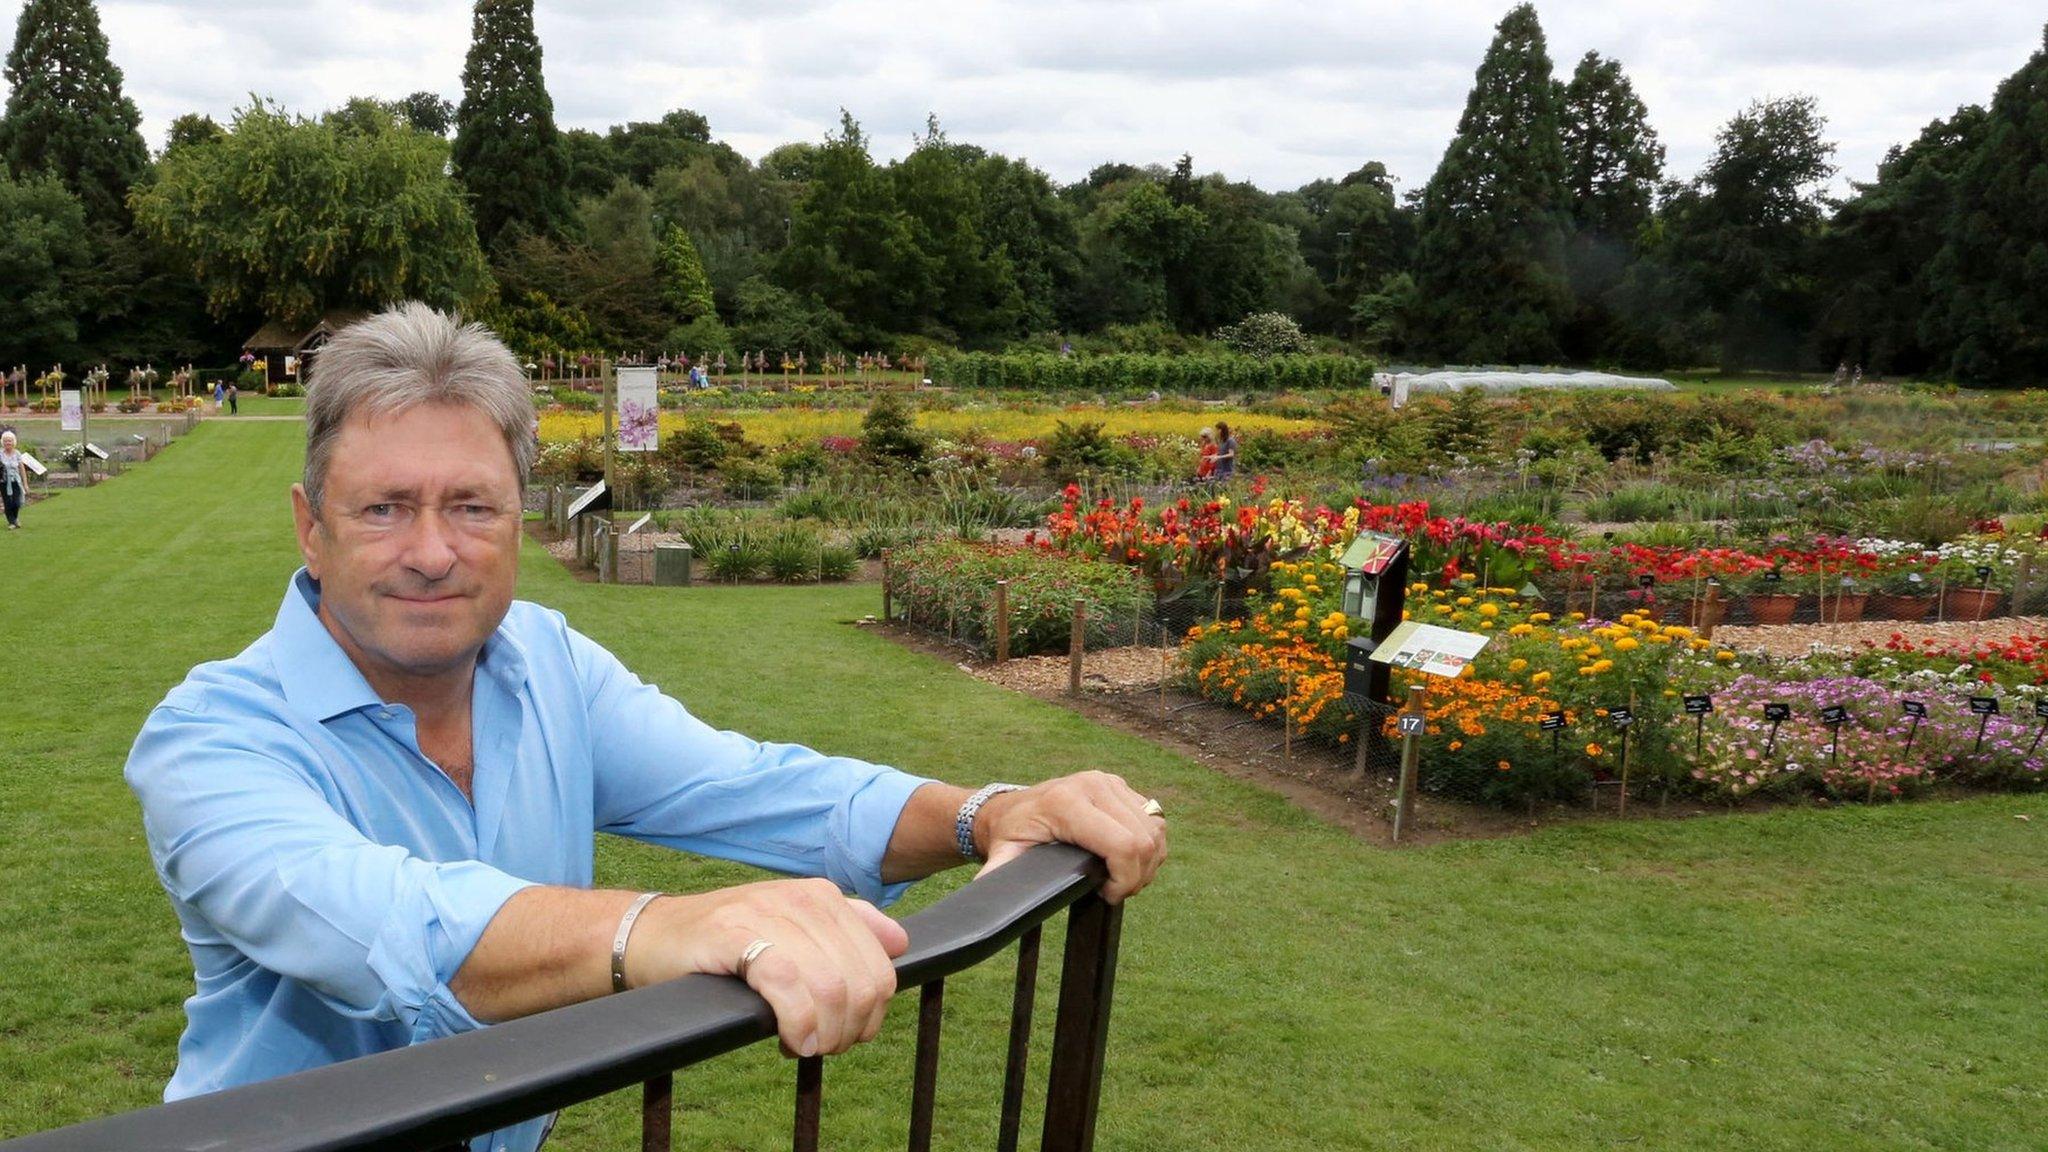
416 544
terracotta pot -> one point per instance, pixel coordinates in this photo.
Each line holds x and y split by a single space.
1970 603
1772 608
1843 608
1890 606
1704 615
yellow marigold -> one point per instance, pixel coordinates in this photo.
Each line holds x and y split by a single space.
1724 656
1665 640
1593 650
1505 766
1601 667
1540 617
1489 610
1628 619
1539 679
1678 632
1626 644
1517 664
1457 744
1595 750
1521 630
1464 601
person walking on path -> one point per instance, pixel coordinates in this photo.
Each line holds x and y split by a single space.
1205 469
1226 452
220 393
234 409
13 480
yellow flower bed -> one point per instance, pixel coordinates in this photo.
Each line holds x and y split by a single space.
781 425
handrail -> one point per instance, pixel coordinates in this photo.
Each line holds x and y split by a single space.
431 1095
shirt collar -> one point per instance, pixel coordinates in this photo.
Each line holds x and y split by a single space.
321 681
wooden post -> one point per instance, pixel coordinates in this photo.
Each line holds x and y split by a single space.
608 572
1287 716
1165 669
1411 755
1713 601
2020 580
1628 756
1002 621
1076 645
887 614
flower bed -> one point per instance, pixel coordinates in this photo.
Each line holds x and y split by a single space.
949 586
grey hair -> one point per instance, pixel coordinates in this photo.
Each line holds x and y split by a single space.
402 358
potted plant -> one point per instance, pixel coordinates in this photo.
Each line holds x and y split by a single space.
1974 575
1903 591
1841 600
1770 600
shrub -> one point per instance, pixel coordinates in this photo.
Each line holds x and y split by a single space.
742 559
1266 334
889 432
950 585
836 563
749 479
792 555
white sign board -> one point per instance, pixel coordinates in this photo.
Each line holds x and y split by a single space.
639 410
1428 648
589 500
96 452
72 409
35 467
642 522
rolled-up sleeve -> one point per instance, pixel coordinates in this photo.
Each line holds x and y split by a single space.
251 843
664 776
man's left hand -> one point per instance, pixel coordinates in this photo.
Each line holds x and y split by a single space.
1092 810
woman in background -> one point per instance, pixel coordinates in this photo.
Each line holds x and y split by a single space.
1226 452
13 480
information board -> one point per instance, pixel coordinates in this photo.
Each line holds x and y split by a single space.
1428 648
639 410
71 408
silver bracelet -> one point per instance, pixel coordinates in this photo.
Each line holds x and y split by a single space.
625 932
963 824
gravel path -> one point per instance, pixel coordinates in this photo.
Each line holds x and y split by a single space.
1800 639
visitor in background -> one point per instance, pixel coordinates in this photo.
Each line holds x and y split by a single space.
1226 452
220 393
1205 469
234 409
13 479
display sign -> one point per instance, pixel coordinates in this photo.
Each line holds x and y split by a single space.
1621 717
71 409
1914 708
1773 576
1777 713
96 452
35 467
1646 580
1550 722
639 409
1983 705
642 522
291 365
1834 715
596 499
1371 553
1412 724
1698 705
1983 571
1430 649
2041 709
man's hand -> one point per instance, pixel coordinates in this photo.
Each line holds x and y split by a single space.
828 975
1093 810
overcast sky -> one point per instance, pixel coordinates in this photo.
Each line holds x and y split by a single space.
1278 92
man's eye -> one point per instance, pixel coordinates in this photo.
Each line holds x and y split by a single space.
380 512
477 511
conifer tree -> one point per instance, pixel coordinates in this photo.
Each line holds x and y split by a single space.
1989 312
1612 157
684 287
66 115
1490 263
507 151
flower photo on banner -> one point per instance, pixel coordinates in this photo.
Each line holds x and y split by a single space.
639 410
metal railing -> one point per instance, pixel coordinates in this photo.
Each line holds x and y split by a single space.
434 1095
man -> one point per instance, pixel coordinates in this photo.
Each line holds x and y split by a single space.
375 824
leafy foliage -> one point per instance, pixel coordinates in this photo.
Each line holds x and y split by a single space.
66 115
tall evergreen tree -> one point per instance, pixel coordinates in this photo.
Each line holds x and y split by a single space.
1989 312
1490 268
1614 164
507 151
684 287
851 245
66 115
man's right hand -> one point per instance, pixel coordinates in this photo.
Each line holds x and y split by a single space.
828 975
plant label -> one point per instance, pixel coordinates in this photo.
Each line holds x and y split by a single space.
1413 725
1983 705
1698 705
1777 713
2041 709
1646 581
1554 721
1834 715
1914 708
1622 717
1774 576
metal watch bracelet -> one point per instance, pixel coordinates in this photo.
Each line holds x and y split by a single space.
963 824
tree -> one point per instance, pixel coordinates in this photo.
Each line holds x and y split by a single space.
1614 165
65 112
429 112
1988 315
1879 251
507 152
1490 269
43 255
684 287
1743 233
1353 234
850 244
365 218
192 128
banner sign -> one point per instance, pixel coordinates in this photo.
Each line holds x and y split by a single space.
72 409
639 410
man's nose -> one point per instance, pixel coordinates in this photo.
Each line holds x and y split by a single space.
430 551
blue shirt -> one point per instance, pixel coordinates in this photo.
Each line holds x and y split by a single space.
329 879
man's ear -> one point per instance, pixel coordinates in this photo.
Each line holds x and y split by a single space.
307 522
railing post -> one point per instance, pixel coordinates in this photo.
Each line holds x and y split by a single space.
1002 621
657 1110
1081 1033
1077 644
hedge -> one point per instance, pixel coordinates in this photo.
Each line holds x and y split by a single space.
1143 372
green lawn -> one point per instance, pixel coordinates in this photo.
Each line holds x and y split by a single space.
1854 979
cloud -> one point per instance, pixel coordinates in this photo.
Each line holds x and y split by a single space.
1280 92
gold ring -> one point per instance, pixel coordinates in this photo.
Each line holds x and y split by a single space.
1152 808
752 954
